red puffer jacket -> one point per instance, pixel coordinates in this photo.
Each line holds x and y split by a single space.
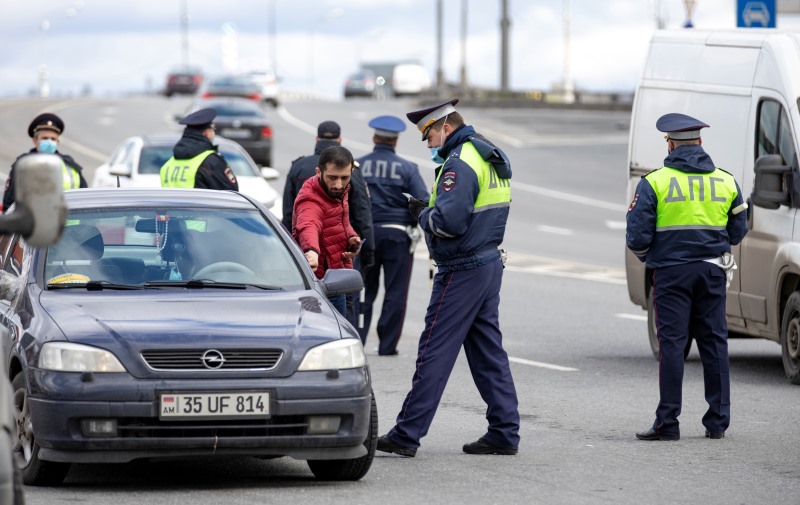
322 223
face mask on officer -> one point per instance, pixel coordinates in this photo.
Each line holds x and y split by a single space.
435 150
47 146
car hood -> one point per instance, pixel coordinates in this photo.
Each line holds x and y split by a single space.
128 322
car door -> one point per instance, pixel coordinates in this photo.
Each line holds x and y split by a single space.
11 254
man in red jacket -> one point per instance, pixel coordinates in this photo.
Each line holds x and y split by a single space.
321 222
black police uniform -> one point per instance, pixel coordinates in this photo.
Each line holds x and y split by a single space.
46 121
214 172
682 223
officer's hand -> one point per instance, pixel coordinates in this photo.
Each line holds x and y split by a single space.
415 206
313 259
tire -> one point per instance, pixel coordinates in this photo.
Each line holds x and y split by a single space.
790 338
35 472
652 330
350 469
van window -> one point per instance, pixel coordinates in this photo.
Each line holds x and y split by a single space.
774 132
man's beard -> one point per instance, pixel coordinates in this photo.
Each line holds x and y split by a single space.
335 196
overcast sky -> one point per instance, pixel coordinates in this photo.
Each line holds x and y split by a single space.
129 45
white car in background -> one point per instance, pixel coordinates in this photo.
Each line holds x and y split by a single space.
267 82
409 79
137 162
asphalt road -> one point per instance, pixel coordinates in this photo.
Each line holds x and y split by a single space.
584 372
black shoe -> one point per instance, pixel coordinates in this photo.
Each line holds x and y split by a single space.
652 434
481 446
386 445
715 434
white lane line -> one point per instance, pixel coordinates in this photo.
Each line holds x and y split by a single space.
542 365
588 276
555 230
634 317
616 225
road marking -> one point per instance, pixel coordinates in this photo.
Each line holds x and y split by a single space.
616 225
555 230
542 365
635 317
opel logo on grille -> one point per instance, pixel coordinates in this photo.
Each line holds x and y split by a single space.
213 359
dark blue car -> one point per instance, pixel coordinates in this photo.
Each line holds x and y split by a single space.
179 323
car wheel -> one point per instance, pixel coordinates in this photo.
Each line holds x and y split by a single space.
350 469
652 330
790 338
35 472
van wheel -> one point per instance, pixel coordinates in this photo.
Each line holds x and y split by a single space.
35 472
350 469
652 329
790 338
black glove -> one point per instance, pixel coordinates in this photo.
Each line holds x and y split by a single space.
415 206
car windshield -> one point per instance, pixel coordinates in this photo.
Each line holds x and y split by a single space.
147 246
238 110
153 158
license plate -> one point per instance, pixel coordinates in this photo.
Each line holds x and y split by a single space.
235 133
247 404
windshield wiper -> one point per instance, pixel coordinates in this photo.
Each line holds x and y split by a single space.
208 283
95 286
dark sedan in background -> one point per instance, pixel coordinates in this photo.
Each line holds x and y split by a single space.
231 85
183 81
242 121
174 323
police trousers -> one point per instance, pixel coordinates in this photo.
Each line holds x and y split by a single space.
463 311
689 299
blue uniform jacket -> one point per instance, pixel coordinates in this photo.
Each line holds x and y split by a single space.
457 237
676 247
388 177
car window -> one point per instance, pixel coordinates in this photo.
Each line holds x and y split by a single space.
236 110
13 263
121 154
153 158
240 165
140 245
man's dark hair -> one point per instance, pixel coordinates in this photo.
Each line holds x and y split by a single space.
337 155
454 119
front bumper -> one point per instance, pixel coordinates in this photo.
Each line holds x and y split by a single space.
60 401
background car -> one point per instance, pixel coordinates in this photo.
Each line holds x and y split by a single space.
361 83
137 162
173 323
410 79
230 85
242 121
267 82
184 81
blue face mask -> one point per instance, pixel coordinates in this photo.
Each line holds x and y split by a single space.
175 275
47 146
435 155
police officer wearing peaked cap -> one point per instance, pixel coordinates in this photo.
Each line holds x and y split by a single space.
388 176
45 130
682 222
195 162
464 223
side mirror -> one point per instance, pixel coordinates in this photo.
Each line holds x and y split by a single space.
770 190
340 281
269 174
120 170
40 212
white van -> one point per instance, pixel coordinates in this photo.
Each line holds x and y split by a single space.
745 84
409 79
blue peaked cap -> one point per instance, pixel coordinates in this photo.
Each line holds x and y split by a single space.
202 117
680 126
387 126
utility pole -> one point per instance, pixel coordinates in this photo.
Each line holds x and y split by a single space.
439 30
504 28
273 19
464 45
568 90
184 33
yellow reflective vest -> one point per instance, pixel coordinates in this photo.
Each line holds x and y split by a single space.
180 173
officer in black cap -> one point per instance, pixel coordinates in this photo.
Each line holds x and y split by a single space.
388 176
45 130
195 162
682 222
329 133
464 223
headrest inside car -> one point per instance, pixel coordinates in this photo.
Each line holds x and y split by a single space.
78 242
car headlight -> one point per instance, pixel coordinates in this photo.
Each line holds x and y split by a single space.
69 357
346 353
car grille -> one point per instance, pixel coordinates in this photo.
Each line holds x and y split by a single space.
212 359
154 428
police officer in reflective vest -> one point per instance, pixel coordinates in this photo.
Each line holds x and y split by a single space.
464 223
682 222
195 162
45 130
396 233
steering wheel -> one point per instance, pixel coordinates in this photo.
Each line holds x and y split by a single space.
223 267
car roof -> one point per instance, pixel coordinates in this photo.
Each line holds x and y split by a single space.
91 198
225 100
171 138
